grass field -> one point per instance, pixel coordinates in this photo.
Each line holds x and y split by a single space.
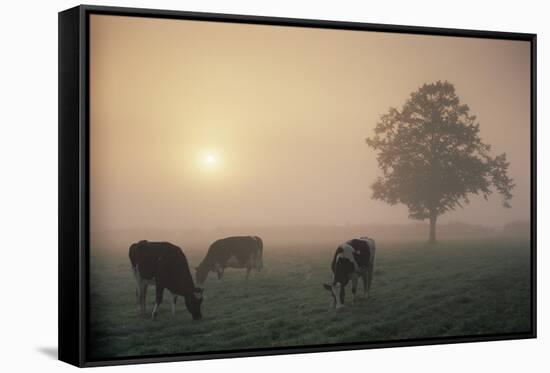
453 289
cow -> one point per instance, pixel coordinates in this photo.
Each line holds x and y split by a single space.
164 265
231 252
353 260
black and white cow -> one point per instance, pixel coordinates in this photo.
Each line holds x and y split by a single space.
353 260
233 252
165 266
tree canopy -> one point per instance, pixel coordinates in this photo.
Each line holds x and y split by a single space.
432 157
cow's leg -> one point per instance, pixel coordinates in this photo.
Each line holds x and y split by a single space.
142 296
365 278
158 300
370 274
337 295
256 265
333 300
139 286
174 299
354 282
342 296
331 289
248 272
134 272
260 263
219 270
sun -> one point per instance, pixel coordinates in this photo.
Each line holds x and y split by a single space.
210 159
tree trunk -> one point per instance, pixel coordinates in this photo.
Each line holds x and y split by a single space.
433 220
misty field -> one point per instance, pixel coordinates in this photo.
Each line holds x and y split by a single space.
453 289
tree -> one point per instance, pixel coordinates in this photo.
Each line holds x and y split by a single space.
432 158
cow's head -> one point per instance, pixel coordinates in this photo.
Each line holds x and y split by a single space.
194 302
201 273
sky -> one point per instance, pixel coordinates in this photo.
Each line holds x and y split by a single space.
202 124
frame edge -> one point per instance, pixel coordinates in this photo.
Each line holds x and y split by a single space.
305 22
69 314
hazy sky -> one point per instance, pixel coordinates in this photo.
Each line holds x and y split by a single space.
201 124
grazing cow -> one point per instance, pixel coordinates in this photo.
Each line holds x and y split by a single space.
353 260
233 252
164 265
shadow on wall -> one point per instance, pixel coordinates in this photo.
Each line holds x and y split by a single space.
50 352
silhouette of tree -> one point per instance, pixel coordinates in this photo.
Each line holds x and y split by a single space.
432 158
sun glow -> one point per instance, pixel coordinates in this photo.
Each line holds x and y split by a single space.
209 160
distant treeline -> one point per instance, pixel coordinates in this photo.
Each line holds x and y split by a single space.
306 236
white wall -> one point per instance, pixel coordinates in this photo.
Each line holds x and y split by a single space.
28 183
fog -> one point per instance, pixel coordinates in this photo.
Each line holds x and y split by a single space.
212 126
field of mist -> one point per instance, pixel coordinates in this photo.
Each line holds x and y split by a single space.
455 288
305 237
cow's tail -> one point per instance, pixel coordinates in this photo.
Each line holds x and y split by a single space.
371 262
132 256
134 264
260 252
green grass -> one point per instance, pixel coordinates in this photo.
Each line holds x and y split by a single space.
456 288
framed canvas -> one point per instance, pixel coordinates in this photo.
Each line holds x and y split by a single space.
236 186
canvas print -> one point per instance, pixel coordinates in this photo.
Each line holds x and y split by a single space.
259 186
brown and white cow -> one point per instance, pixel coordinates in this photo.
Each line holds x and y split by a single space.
164 265
352 261
231 252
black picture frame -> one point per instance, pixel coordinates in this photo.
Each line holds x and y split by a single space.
74 179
